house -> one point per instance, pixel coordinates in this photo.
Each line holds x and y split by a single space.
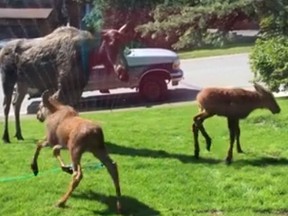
35 18
26 22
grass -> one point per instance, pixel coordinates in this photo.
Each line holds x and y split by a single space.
159 176
231 49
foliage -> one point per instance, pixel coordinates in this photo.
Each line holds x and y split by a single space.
163 23
269 62
273 16
187 26
116 12
158 176
94 19
113 14
269 56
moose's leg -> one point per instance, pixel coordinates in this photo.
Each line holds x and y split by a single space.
6 107
199 119
121 66
107 62
237 132
34 165
76 96
231 125
111 166
69 94
21 90
122 73
8 78
56 153
195 131
8 91
61 94
76 177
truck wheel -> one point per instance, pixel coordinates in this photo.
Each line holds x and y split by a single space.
153 88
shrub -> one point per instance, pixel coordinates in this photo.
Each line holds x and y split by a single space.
269 62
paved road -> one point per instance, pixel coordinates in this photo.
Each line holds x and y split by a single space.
232 70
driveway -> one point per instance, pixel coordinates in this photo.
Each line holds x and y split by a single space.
230 70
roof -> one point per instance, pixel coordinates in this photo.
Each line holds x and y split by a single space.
25 13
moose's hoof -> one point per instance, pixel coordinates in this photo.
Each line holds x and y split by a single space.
196 155
6 140
228 161
67 169
34 168
208 144
19 136
240 151
60 204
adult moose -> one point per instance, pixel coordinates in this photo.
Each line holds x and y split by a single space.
60 62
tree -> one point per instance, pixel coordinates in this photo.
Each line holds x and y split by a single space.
273 17
177 24
186 25
269 56
113 13
269 62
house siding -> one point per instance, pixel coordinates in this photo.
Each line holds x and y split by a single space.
19 25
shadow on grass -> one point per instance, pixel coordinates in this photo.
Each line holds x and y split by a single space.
281 211
262 162
130 206
27 141
142 152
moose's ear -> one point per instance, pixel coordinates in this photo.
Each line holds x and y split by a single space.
50 102
123 29
259 88
45 97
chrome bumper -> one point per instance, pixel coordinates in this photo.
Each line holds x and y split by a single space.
176 77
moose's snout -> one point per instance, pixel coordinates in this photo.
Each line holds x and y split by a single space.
276 111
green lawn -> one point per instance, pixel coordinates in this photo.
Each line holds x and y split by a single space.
227 50
159 176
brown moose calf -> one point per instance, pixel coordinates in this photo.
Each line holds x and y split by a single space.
234 104
65 129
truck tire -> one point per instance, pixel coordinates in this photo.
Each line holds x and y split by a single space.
153 88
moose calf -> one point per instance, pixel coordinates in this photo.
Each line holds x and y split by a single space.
234 104
65 129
